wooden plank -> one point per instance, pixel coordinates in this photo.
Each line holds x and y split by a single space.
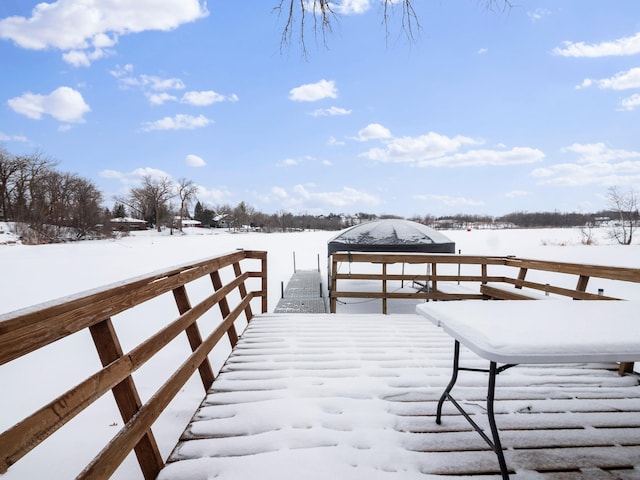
26 435
577 418
127 398
20 439
243 290
224 307
583 280
625 274
108 460
194 336
521 276
503 293
27 330
384 288
567 292
417 258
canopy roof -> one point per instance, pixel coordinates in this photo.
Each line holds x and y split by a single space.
392 235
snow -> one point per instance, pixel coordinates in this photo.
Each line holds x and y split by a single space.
391 231
391 235
35 274
531 331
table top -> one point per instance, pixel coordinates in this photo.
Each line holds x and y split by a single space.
534 331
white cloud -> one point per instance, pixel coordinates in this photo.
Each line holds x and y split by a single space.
151 82
194 161
156 88
373 131
312 92
121 71
449 201
517 193
334 141
597 164
417 149
599 152
330 112
12 138
303 198
177 122
482 51
161 98
80 58
630 103
279 192
135 176
620 81
436 150
64 104
207 97
538 14
288 162
213 195
483 157
83 30
621 46
341 198
351 7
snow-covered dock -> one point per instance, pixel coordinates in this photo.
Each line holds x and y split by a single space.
303 294
354 397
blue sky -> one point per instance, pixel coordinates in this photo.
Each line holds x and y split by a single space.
531 108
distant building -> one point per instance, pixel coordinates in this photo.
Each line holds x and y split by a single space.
187 222
125 224
220 221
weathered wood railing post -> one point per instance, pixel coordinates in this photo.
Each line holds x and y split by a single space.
434 277
33 328
224 307
264 283
333 284
193 334
583 280
384 288
522 274
127 397
243 290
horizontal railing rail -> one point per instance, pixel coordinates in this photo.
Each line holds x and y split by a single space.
25 331
470 272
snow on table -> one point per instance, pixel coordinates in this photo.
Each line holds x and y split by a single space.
530 331
354 397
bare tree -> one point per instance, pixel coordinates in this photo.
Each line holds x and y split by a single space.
150 201
241 215
324 14
625 206
186 191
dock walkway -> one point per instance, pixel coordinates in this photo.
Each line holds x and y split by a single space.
303 294
354 397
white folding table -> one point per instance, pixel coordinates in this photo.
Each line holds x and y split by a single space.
512 332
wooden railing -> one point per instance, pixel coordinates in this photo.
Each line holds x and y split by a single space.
460 277
33 328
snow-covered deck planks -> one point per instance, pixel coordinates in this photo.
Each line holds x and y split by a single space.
354 397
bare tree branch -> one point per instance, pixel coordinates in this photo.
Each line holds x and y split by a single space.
325 14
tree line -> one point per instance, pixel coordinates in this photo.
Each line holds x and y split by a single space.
49 206
46 203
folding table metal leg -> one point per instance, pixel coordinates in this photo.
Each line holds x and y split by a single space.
497 445
493 371
452 382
